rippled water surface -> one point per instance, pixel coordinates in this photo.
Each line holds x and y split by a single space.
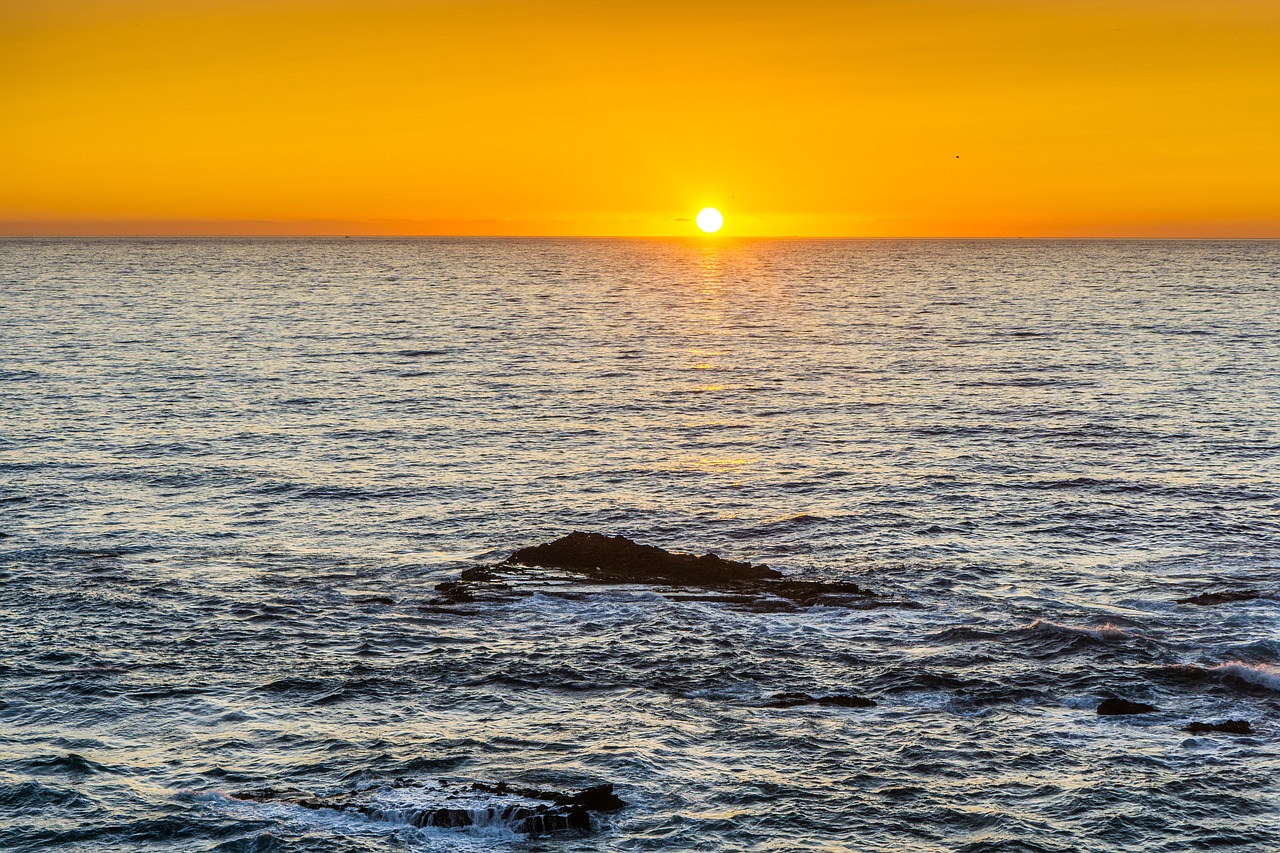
232 472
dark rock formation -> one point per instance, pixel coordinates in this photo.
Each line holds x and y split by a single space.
535 820
601 798
1231 727
1206 599
593 558
525 810
792 700
616 559
1114 707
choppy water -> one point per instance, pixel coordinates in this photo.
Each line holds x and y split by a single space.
231 473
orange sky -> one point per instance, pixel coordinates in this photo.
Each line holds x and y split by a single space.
1070 117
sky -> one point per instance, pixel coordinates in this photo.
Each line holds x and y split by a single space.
861 118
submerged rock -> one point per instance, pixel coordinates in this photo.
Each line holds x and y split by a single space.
528 811
792 700
1114 707
593 558
1206 599
1231 727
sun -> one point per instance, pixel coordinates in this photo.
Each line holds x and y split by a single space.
710 220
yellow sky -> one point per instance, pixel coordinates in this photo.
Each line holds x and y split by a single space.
1069 117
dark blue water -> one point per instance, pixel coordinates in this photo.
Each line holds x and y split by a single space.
232 473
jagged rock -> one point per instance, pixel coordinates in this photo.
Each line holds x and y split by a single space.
1114 707
618 559
1205 599
528 811
601 798
792 700
1232 727
593 558
538 820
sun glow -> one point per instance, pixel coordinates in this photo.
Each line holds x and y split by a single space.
710 220
876 118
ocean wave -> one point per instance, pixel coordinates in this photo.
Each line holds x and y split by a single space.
1257 674
32 797
1039 629
499 810
1234 673
1104 632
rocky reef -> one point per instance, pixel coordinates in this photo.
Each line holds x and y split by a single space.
528 811
1116 707
1207 599
594 558
793 700
1231 727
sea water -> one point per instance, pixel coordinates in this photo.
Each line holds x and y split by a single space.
233 471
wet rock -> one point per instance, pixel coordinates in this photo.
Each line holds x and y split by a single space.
528 811
455 592
1114 707
601 798
1231 727
617 559
792 700
536 820
1206 599
593 558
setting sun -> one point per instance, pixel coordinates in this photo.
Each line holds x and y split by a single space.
710 220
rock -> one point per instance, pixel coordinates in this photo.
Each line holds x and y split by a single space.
528 811
1206 599
598 799
1231 727
601 798
593 558
792 700
538 820
847 701
618 559
1114 707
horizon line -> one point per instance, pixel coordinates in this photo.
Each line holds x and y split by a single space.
703 238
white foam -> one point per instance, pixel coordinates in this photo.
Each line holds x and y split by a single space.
1106 631
1258 674
390 811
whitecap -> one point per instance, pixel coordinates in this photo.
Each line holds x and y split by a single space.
1105 631
1258 674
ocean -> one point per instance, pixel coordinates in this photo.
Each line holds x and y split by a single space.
233 473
